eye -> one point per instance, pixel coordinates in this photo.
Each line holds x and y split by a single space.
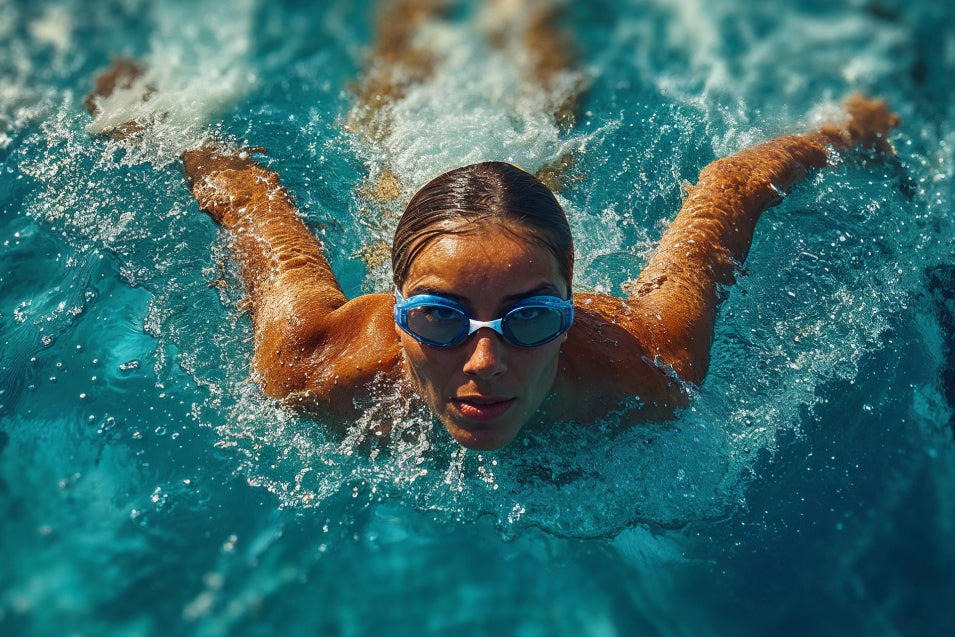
526 313
439 314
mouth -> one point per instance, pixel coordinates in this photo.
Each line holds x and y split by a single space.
482 408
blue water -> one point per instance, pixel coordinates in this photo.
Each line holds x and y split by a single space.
148 488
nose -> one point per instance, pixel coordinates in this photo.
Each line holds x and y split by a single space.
486 356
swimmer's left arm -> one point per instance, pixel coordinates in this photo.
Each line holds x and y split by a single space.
677 294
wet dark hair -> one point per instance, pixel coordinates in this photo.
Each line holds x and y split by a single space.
466 199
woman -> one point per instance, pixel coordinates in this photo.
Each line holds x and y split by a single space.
488 242
484 326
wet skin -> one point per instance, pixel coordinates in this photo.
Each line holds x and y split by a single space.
317 350
485 389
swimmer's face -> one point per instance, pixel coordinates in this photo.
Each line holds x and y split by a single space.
485 389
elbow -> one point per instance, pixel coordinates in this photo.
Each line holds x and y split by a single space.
686 368
277 381
280 371
692 363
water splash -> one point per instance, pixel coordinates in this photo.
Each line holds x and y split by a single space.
195 70
828 274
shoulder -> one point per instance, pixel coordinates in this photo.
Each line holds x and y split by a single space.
333 357
607 327
614 352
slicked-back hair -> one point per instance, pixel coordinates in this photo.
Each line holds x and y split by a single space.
474 198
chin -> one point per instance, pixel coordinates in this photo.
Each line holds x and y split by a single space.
482 438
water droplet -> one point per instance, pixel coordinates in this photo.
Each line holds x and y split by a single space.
229 545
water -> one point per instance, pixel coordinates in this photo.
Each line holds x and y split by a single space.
147 487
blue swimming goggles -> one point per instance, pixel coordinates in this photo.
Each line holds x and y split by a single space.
440 322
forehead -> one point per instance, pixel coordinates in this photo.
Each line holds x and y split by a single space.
489 257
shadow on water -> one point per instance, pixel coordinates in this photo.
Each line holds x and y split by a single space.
940 280
862 495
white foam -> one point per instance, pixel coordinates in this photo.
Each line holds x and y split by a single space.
54 27
646 550
477 106
198 66
704 56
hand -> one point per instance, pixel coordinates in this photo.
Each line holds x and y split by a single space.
869 124
226 183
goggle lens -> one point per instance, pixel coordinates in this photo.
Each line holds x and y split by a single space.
441 322
436 324
533 325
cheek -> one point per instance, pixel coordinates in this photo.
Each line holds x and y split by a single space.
425 365
539 366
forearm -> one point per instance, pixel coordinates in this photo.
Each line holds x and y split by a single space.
713 231
275 249
710 237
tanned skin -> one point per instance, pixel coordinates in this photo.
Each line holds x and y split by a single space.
316 348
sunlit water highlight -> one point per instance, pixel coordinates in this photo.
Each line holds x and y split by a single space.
147 487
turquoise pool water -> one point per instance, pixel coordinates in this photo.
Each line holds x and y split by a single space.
147 487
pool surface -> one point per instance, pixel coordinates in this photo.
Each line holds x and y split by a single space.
147 487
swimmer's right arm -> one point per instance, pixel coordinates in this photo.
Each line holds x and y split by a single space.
312 345
271 241
678 292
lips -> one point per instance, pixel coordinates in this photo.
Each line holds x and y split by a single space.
482 408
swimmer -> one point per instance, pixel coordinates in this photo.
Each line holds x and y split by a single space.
483 325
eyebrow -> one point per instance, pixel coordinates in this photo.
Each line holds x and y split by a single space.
544 289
